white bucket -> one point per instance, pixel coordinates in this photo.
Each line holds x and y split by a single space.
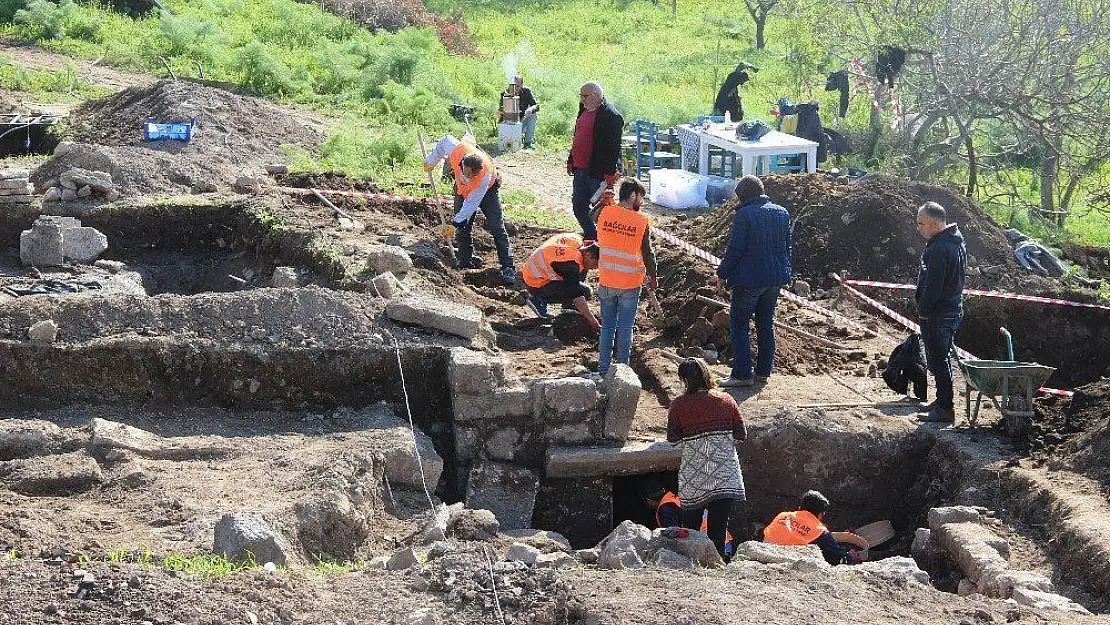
509 137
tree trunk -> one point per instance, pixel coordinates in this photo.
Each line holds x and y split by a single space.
1048 186
760 25
876 124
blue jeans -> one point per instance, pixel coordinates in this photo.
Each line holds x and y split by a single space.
495 223
938 334
618 312
584 187
529 129
746 303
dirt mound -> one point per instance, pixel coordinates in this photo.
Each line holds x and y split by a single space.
231 133
1096 260
1079 425
866 227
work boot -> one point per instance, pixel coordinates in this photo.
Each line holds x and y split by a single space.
508 275
471 263
938 415
537 306
736 382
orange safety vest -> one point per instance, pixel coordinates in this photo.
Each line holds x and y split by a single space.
556 249
455 158
794 528
620 234
671 498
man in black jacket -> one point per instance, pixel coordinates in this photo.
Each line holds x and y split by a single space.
939 299
595 152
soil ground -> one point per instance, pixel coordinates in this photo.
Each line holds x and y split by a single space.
278 457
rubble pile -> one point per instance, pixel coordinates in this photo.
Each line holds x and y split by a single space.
53 240
78 183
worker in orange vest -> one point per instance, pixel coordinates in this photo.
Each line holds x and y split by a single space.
477 186
805 526
556 273
668 513
627 259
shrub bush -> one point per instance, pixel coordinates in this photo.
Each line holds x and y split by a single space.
44 19
390 15
263 73
8 9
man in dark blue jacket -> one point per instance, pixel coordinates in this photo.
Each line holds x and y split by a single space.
939 297
755 266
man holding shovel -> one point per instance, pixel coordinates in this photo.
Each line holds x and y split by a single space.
476 186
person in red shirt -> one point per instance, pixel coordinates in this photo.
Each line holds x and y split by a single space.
595 152
706 424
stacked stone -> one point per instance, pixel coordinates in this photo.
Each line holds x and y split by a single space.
15 187
80 183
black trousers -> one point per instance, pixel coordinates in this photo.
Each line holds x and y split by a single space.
717 523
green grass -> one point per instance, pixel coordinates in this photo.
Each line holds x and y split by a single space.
541 218
62 86
208 566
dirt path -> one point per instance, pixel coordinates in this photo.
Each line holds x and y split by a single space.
542 173
34 57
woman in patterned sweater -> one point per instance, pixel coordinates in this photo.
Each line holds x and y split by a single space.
706 424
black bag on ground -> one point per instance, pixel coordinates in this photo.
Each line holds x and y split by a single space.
906 365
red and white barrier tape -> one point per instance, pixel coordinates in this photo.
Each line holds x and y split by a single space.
995 294
392 197
910 325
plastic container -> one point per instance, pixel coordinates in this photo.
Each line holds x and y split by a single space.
719 189
173 131
509 137
677 189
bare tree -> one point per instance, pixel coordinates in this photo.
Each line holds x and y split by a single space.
760 10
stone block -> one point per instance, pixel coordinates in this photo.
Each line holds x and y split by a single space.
383 258
68 194
41 246
402 465
61 474
770 553
1004 583
401 560
472 372
16 199
967 543
15 173
579 509
277 169
467 444
802 288
564 462
285 277
952 514
83 245
587 556
53 194
436 314
620 559
1047 601
435 528
921 538
519 552
563 399
570 434
244 536
503 444
85 191
108 435
43 331
386 285
556 560
330 525
499 404
624 547
622 389
507 490
15 186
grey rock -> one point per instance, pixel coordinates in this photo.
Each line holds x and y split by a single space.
668 559
508 491
423 616
83 245
108 435
64 147
587 556
43 331
379 562
802 288
53 194
436 314
85 191
26 438
277 169
544 540
51 475
467 524
770 553
1047 601
695 545
249 182
967 543
330 525
501 403
556 560
405 463
622 389
383 258
620 559
503 444
386 285
435 528
628 537
243 536
895 568
401 560
285 277
16 199
15 173
111 266
1006 582
68 194
519 552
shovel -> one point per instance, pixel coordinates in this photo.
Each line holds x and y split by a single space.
876 533
659 320
445 231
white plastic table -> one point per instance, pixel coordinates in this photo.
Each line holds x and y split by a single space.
772 144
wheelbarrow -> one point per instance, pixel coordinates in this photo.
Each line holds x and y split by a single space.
1014 381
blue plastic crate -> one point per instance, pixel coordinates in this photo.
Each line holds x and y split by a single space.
173 131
